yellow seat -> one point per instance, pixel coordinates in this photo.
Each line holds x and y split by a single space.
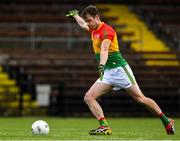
14 104
26 104
8 82
2 90
34 104
26 97
3 76
13 89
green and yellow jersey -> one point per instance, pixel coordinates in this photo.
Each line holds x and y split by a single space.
115 58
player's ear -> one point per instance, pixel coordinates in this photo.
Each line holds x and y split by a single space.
97 17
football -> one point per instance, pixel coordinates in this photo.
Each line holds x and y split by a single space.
40 127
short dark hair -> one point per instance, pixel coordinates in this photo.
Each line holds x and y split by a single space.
91 10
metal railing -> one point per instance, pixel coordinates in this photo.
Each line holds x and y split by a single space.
33 35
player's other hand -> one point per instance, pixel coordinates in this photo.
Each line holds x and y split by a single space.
101 71
72 13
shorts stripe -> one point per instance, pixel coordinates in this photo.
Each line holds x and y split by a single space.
129 75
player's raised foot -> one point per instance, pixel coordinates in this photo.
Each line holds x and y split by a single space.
102 130
170 129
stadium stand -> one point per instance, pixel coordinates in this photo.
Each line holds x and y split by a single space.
143 39
8 92
44 47
163 20
13 99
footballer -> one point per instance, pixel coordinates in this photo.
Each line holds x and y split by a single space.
114 71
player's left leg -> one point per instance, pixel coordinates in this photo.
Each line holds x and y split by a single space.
93 93
135 92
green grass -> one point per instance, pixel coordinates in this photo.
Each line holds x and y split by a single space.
77 129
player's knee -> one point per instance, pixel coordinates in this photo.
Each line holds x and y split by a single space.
88 98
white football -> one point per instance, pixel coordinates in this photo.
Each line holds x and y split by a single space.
40 127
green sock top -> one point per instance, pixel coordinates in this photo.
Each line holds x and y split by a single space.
103 122
164 119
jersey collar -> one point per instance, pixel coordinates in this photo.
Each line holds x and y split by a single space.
100 26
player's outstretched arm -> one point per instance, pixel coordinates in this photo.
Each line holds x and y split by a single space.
81 22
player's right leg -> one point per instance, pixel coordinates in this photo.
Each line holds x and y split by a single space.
97 90
135 92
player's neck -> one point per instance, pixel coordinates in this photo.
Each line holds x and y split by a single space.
98 24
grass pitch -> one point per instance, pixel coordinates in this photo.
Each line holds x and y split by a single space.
77 129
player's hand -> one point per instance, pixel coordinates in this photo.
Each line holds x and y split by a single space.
101 71
72 13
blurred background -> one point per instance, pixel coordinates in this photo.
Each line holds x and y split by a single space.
47 62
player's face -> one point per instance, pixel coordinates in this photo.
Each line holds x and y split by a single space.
92 22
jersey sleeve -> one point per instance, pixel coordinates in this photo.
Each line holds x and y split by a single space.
107 33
